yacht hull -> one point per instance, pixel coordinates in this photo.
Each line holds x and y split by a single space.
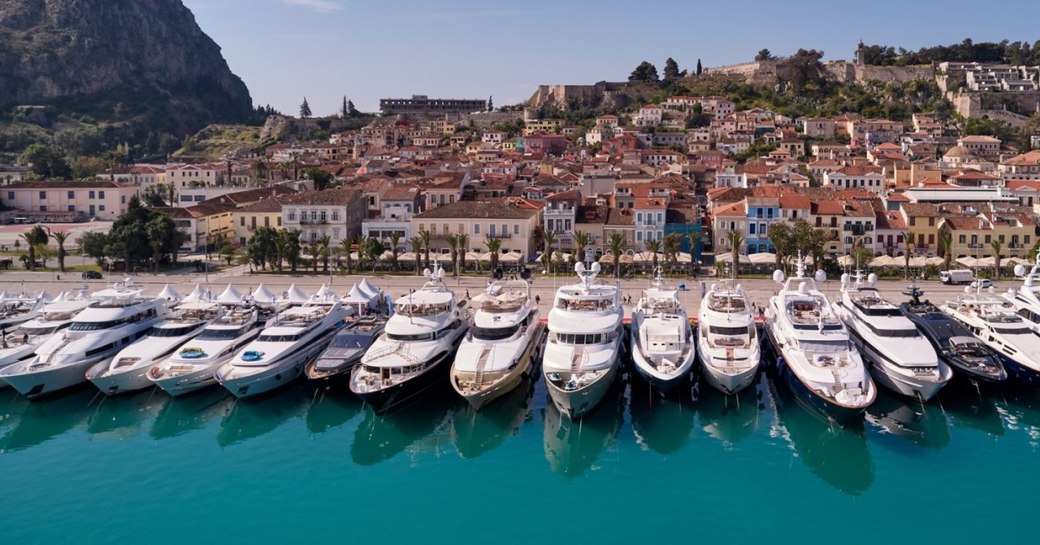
121 383
34 384
663 384
15 355
999 375
575 404
809 398
727 382
402 393
273 376
478 398
178 385
1021 374
899 379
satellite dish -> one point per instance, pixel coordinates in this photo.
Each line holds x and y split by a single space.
1020 270
426 272
821 276
872 279
778 276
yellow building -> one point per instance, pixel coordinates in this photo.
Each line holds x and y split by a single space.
974 235
266 213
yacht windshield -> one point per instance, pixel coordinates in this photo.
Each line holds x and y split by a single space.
824 346
172 331
220 334
280 338
732 331
580 338
351 341
417 309
1013 330
493 333
416 337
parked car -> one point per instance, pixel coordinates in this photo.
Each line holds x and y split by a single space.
982 283
91 275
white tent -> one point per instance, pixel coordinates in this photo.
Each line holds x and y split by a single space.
263 295
197 295
969 262
356 296
230 296
295 295
407 256
917 262
324 294
728 258
885 261
510 257
647 257
1012 261
683 257
762 258
169 294
368 289
846 261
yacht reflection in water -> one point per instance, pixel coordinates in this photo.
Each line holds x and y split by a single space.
415 427
972 408
922 424
836 454
329 410
731 419
194 411
661 424
1021 414
123 416
475 432
251 418
573 446
30 423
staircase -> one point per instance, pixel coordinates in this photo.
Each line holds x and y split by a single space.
577 358
485 354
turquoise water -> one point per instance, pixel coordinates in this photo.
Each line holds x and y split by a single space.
305 465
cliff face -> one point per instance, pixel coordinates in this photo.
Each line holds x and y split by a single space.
122 60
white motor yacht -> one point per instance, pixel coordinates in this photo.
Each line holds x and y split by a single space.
20 343
727 338
900 357
497 353
995 322
1026 299
586 333
412 355
662 342
20 308
128 371
813 349
115 319
290 340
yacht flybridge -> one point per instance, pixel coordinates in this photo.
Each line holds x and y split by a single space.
900 357
813 349
728 343
586 334
497 353
413 353
115 319
995 322
662 343
290 340
1026 299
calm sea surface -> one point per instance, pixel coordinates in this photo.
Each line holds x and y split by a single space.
305 465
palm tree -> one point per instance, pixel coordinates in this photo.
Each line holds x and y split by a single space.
581 240
694 239
463 242
417 246
616 242
493 244
908 242
453 247
281 246
997 246
60 239
315 252
325 245
671 244
30 243
735 240
946 248
654 247
395 239
424 235
347 244
548 237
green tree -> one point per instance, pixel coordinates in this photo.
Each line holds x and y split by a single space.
344 111
494 244
227 251
395 241
463 244
348 249
59 239
581 240
782 237
315 252
671 245
645 72
45 161
693 237
325 245
292 247
946 248
305 109
261 248
424 235
616 243
490 105
671 70
548 238
763 55
908 242
453 251
322 178
699 67
33 238
92 244
735 240
653 246
997 246
417 246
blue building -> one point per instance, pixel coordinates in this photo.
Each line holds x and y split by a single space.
684 222
762 212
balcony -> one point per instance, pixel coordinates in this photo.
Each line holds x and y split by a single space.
1016 246
305 221
975 245
856 230
507 235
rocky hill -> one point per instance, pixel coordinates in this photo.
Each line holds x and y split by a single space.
141 63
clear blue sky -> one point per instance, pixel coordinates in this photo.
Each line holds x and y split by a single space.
325 49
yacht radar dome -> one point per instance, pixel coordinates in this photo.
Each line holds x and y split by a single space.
1020 270
821 276
778 276
871 279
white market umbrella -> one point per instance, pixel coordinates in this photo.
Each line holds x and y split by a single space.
230 296
295 295
762 258
263 295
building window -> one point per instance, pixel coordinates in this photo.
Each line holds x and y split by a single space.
43 195
335 215
751 229
43 208
516 228
10 195
242 221
101 208
101 194
72 194
491 230
72 208
505 229
476 228
639 236
90 194
122 199
292 215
